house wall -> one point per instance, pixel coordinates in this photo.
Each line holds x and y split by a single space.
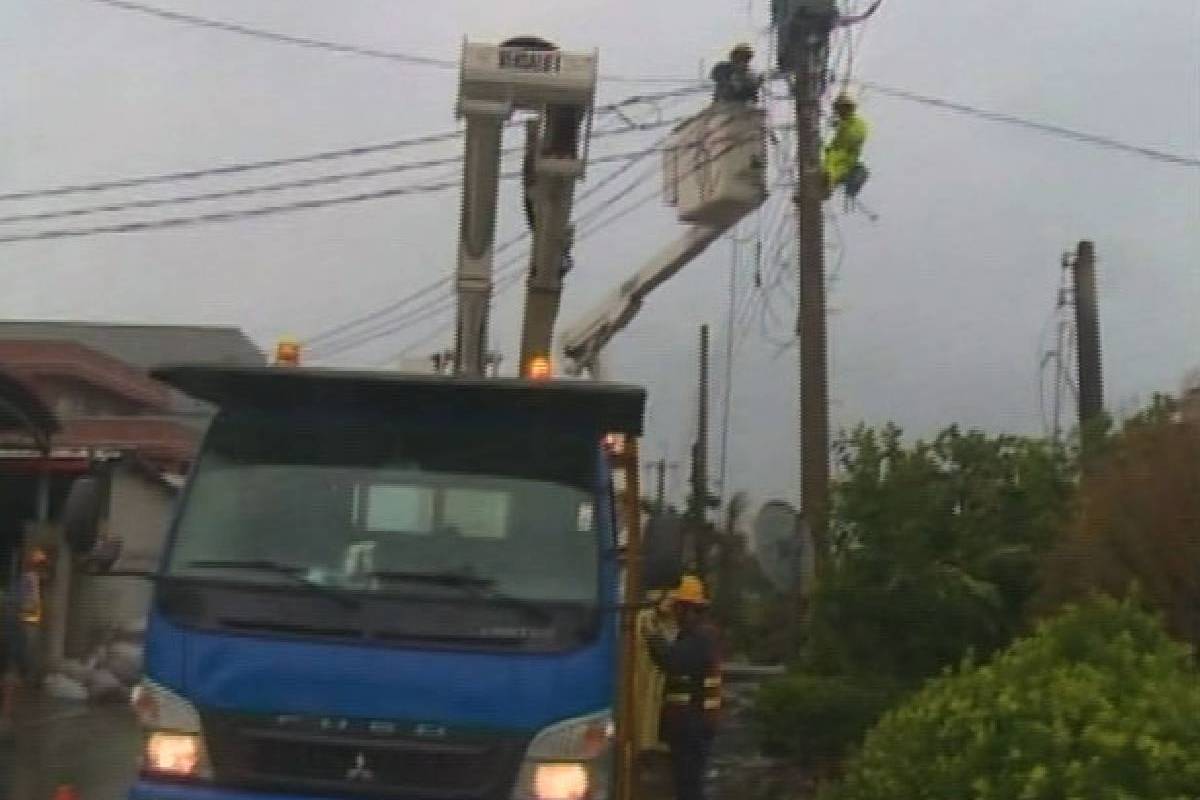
139 512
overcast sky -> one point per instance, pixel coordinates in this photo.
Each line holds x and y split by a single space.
941 305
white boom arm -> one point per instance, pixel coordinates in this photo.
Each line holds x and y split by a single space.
582 344
526 74
714 169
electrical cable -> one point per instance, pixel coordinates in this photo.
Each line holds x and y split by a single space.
1041 127
631 160
246 191
325 44
231 169
138 226
326 155
224 194
392 326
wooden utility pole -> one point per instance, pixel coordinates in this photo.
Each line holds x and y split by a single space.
804 53
1087 327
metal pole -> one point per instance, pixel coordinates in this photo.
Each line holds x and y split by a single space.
626 717
811 54
698 510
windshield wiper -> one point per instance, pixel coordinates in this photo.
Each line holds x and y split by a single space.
293 573
482 588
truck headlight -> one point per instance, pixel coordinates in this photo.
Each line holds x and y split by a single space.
174 745
571 760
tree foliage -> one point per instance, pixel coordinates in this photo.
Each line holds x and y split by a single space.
935 549
1138 521
1099 703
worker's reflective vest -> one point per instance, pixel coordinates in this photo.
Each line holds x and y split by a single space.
845 148
29 597
696 692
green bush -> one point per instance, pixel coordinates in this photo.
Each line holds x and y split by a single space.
814 719
1099 704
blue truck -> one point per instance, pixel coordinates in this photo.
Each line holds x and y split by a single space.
392 586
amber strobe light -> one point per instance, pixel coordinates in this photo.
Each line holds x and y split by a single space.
287 353
539 368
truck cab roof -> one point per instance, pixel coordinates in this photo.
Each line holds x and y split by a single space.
613 408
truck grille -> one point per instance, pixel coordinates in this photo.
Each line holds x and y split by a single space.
353 759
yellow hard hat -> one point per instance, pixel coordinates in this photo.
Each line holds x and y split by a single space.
742 48
691 590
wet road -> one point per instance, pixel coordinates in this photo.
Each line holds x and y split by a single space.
55 743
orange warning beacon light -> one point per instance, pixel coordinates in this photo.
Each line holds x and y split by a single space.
287 353
539 369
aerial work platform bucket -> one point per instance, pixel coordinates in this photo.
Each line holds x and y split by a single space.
714 166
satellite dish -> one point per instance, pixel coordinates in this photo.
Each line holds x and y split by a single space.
780 552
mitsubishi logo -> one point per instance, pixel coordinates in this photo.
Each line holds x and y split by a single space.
360 771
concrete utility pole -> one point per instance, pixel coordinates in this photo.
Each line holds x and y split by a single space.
698 504
1087 326
804 30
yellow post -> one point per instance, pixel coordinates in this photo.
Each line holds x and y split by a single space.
627 712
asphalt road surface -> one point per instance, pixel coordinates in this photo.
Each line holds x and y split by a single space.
53 744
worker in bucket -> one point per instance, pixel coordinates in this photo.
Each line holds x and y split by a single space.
842 165
735 81
692 695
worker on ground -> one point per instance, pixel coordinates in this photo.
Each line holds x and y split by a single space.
692 695
20 608
735 81
842 165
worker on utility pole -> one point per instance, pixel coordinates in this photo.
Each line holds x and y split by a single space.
735 81
692 694
842 164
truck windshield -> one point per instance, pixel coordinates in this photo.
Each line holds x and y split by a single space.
374 506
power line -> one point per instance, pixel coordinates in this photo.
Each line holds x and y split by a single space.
631 160
138 226
325 44
326 155
1041 127
503 281
274 36
231 169
229 216
245 191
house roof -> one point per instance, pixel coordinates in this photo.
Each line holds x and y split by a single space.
145 346
22 411
37 359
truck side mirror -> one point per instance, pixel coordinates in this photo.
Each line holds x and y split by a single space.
81 515
662 553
